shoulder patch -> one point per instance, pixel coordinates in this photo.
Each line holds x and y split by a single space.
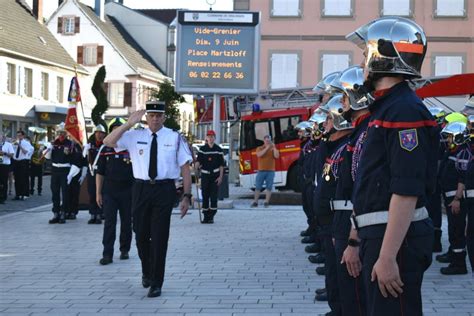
408 139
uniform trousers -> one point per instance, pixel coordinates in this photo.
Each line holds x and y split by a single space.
351 291
434 208
470 230
4 171
413 258
94 209
331 271
307 197
151 211
21 170
120 201
209 190
456 226
36 171
59 189
74 189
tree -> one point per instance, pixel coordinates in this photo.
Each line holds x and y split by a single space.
167 93
99 92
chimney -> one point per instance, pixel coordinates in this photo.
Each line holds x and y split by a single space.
38 10
99 9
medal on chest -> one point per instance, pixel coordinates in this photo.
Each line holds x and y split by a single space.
327 171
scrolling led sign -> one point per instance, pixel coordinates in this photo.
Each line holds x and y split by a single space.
217 52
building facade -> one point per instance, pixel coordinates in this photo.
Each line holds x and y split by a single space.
303 40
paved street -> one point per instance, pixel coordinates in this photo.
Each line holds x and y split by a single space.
250 262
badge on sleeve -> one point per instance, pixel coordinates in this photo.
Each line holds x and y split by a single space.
408 139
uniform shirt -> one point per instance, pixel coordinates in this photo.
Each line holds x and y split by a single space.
90 152
7 148
116 167
469 174
453 167
173 152
309 154
61 151
26 146
76 157
210 158
345 183
400 152
332 157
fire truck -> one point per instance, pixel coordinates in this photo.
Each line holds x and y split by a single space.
275 113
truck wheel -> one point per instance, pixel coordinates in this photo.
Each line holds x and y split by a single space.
292 180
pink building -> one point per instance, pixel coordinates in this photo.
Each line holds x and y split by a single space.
303 40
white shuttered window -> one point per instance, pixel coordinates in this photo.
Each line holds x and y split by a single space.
284 71
450 8
337 8
396 7
334 62
448 65
286 8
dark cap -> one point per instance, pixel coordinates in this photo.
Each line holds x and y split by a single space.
155 106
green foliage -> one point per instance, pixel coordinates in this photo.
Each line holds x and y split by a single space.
99 92
172 99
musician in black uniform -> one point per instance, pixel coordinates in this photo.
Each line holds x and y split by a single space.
210 160
396 172
60 155
90 152
114 180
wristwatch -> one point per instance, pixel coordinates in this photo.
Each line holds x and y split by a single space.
187 195
353 242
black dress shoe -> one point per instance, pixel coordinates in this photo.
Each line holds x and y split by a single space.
320 291
92 219
105 261
154 291
446 257
62 218
313 248
124 256
72 216
98 220
322 297
308 240
319 258
146 282
321 270
55 219
17 198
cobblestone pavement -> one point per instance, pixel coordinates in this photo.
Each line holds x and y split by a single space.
249 262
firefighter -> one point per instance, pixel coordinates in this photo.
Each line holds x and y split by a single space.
446 184
331 157
456 134
60 154
114 180
91 151
395 171
434 201
469 189
210 160
355 109
75 179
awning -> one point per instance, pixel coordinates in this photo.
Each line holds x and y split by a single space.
51 109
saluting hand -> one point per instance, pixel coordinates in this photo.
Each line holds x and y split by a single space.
386 272
136 117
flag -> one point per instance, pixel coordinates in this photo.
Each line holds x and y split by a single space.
72 124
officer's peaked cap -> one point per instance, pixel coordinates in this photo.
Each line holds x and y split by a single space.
155 106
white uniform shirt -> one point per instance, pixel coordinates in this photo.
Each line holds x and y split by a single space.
26 146
173 152
7 148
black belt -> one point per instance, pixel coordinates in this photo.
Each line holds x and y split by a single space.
153 182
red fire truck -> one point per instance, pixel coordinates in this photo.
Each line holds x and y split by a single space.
274 113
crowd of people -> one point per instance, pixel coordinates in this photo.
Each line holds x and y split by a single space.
375 165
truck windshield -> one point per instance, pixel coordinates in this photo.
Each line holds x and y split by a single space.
280 128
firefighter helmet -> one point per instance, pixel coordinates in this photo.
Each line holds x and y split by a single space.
394 45
306 128
350 82
334 108
118 121
459 132
323 86
99 128
438 113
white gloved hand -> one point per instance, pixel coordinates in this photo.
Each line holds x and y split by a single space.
83 175
72 173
